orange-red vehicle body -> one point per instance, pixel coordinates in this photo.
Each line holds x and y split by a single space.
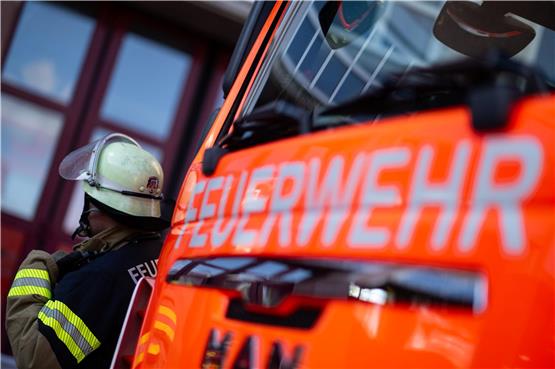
509 240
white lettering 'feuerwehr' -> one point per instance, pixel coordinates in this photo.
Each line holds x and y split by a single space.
329 192
207 210
373 195
254 201
505 198
191 214
146 269
281 203
446 195
221 232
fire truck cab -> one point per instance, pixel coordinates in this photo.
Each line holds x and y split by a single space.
377 190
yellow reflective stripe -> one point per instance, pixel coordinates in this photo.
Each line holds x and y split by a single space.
34 273
164 328
31 281
139 359
29 290
144 338
63 336
76 321
153 349
164 310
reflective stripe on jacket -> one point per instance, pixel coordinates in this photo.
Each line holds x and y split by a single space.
74 322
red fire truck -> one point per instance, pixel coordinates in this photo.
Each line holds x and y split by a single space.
377 190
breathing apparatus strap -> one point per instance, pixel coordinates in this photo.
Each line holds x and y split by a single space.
80 258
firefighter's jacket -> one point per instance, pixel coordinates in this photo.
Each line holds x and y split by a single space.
75 322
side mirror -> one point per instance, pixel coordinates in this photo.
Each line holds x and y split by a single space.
475 30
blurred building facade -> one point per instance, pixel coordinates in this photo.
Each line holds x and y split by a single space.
72 72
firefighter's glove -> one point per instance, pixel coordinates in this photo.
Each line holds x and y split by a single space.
57 255
83 253
73 261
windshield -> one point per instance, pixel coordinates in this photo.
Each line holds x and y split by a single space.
325 53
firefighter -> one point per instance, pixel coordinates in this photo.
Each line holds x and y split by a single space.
66 310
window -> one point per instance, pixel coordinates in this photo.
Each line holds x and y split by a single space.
39 78
47 51
29 136
146 86
325 53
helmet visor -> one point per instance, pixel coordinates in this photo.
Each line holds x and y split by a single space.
81 164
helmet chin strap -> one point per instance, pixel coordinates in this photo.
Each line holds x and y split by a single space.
84 228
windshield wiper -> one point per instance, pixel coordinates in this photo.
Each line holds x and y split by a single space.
276 120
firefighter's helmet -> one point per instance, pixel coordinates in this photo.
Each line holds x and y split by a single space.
118 173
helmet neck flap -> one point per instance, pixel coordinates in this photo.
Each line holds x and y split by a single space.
149 224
